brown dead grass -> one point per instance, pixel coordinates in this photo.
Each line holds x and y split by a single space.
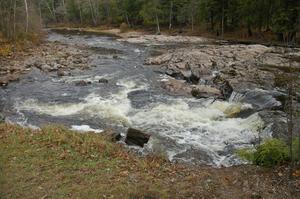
57 163
8 47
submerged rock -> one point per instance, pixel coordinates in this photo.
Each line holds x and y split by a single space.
82 83
62 73
103 81
136 137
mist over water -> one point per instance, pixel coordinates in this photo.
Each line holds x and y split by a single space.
184 129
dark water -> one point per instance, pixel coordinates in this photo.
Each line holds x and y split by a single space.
185 129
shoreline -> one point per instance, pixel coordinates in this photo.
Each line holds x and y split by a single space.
154 176
113 31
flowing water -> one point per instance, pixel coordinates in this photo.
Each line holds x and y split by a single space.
184 129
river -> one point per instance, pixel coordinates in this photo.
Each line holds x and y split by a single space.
182 128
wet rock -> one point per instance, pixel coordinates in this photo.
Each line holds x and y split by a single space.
112 136
275 124
224 86
226 89
136 137
61 73
261 99
240 65
103 81
3 81
45 67
38 64
176 87
194 155
83 83
201 91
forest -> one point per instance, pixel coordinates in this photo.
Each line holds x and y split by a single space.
218 17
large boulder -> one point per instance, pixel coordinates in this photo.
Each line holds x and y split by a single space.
136 137
262 100
275 124
181 87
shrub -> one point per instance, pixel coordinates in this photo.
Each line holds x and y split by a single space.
271 153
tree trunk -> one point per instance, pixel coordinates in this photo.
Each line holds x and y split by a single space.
171 16
290 124
92 12
27 15
192 23
52 12
14 28
157 23
127 20
80 12
249 30
212 27
222 22
64 10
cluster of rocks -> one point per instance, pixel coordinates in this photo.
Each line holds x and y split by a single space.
134 137
163 39
48 57
225 68
248 74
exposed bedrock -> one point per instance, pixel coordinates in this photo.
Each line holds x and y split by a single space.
225 68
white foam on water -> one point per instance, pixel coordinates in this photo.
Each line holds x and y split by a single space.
88 78
204 125
115 107
137 51
85 128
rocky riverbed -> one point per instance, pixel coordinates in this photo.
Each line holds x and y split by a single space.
48 57
199 99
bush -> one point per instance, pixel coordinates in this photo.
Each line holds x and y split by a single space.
271 153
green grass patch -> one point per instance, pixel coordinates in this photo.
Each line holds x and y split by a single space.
57 163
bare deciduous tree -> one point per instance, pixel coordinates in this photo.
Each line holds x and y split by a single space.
27 15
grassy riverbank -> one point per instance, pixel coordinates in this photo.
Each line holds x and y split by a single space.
57 163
